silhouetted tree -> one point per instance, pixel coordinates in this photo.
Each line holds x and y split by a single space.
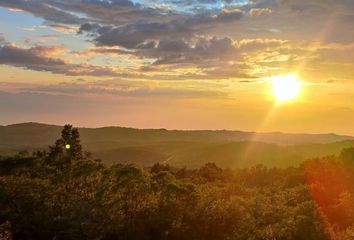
68 148
75 149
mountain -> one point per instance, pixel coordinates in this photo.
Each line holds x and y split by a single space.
180 148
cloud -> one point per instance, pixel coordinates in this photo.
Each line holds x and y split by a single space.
48 37
41 58
179 41
256 12
36 56
260 44
62 28
144 34
106 51
126 91
80 11
158 41
45 58
132 35
207 57
115 87
42 9
204 50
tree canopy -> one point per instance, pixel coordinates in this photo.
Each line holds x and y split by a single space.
65 194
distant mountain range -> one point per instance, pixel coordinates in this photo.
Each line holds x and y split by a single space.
181 148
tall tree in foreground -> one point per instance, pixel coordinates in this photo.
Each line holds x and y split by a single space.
68 148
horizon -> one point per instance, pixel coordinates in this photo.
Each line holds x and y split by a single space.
253 65
171 129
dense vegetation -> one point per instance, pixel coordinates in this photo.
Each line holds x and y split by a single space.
66 194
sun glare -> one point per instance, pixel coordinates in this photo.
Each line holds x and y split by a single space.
285 87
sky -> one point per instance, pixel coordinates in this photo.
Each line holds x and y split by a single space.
187 64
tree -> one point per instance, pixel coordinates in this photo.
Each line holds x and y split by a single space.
66 149
210 172
75 149
71 142
90 200
348 154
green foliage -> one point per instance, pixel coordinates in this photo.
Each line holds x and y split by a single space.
65 195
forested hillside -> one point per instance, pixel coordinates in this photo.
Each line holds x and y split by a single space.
192 149
65 193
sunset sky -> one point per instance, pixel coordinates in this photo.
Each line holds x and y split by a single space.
187 64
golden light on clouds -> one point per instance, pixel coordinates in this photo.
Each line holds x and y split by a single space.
285 87
243 66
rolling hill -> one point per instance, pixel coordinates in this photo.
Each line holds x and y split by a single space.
181 148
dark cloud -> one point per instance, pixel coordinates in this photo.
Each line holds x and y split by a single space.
29 58
43 58
214 18
173 45
40 58
201 53
111 3
136 34
89 27
131 35
115 12
201 3
210 52
43 9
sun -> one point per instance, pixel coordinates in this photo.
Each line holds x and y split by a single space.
285 87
